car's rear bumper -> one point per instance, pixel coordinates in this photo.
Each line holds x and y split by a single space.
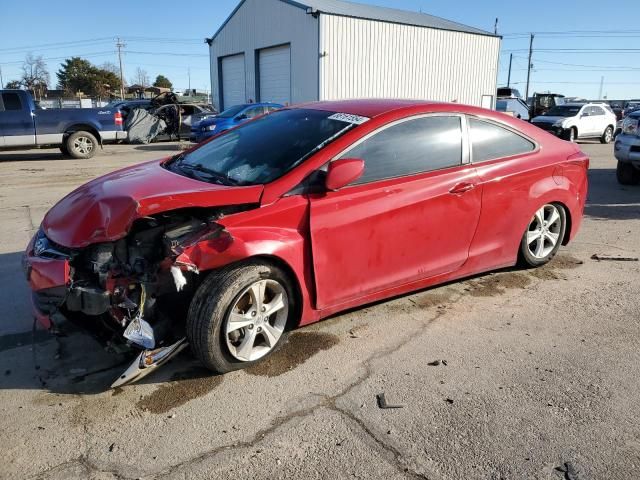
113 135
627 149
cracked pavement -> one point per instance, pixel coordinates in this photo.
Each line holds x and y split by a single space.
507 375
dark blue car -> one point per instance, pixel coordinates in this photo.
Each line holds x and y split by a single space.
230 118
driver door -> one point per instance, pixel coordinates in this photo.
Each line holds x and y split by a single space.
412 214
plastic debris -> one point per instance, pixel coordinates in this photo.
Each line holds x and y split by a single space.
602 258
382 402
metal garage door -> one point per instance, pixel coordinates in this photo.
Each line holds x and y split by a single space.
275 74
233 81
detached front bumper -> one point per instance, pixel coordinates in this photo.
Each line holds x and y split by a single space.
549 127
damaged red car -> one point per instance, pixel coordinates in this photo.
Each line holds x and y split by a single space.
295 216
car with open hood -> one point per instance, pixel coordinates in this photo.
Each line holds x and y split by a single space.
294 216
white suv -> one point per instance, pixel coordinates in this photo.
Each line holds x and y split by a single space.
579 120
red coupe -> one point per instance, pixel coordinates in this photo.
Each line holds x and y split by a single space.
295 216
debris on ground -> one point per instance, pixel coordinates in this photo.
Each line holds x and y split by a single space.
449 401
382 402
437 363
568 470
111 447
602 258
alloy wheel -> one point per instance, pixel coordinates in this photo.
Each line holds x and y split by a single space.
544 231
83 145
257 320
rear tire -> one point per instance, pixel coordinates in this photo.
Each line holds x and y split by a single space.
607 136
226 316
627 174
81 145
543 236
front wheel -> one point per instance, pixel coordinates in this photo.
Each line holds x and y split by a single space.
81 145
543 236
607 136
240 315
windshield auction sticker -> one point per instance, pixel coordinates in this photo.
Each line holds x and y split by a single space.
349 118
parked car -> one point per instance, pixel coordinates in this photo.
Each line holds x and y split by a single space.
190 114
295 216
77 131
541 103
630 107
126 106
577 120
514 106
627 150
230 118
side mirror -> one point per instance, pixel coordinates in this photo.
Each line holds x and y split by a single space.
241 117
342 172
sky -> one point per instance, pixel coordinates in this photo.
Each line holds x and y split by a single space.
167 37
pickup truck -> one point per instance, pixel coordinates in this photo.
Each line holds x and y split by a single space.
77 131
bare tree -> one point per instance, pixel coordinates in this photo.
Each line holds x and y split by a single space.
141 78
35 76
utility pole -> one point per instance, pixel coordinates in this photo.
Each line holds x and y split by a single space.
189 73
120 46
601 87
509 76
495 27
526 95
1 81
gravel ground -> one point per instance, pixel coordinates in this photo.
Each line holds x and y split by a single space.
515 374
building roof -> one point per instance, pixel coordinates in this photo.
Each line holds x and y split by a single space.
371 12
384 14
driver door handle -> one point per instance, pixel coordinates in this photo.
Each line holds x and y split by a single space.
462 188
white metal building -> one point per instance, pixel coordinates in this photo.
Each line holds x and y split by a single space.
288 52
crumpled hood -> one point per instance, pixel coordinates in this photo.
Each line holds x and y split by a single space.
548 119
104 209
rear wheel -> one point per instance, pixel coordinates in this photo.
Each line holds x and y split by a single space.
627 174
240 315
81 145
607 136
543 236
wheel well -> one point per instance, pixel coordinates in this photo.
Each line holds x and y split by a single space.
82 128
567 231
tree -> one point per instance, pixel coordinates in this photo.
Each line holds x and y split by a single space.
162 82
141 78
35 76
79 75
13 85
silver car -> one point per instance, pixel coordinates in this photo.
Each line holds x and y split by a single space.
627 151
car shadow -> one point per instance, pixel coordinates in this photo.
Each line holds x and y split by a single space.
163 147
32 155
608 200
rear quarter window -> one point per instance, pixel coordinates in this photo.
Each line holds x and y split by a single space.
11 101
490 142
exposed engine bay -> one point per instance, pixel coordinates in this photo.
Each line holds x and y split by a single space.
134 293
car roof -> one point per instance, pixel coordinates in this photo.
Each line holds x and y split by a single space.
366 107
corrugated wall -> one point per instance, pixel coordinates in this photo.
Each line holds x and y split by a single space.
267 23
370 59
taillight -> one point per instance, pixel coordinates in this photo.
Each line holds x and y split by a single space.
118 118
579 158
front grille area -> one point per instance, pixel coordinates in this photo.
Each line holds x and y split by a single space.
545 126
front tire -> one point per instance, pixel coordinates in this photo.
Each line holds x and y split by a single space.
81 145
627 174
607 136
240 315
543 236
571 135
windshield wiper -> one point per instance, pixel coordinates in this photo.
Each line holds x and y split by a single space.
200 168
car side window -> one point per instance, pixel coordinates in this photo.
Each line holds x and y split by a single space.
490 141
11 101
411 147
597 111
254 112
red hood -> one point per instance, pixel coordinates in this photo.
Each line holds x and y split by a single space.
104 209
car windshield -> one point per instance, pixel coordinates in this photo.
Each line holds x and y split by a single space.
231 112
263 150
564 111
